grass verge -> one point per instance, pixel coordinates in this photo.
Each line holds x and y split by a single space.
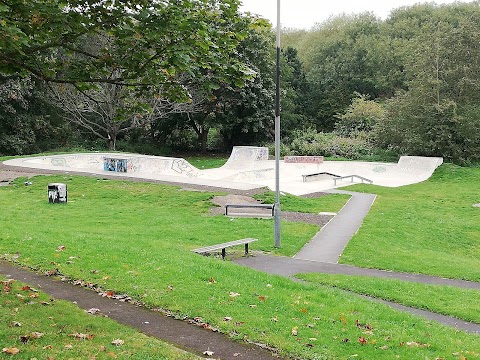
329 203
447 300
35 326
428 228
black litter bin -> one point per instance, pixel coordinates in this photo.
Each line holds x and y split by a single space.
57 193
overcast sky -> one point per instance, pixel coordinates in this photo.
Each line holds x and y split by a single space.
303 14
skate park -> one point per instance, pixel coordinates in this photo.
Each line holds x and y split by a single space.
247 168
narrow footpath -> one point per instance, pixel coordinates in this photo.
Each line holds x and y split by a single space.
328 244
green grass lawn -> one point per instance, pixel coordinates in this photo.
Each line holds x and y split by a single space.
430 227
460 303
206 162
137 238
331 203
34 326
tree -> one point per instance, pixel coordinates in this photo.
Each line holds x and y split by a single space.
153 42
27 122
348 55
142 52
241 114
296 98
361 117
441 63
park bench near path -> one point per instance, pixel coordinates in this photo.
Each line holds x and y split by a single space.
250 206
224 246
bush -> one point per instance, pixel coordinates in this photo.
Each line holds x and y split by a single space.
309 142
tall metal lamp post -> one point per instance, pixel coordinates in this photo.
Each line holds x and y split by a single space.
277 138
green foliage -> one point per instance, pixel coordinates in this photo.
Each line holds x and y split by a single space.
347 55
27 122
360 118
430 228
309 142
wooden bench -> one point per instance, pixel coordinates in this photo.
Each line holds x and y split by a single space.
211 248
250 206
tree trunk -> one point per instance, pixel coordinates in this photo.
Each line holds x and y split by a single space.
112 142
203 139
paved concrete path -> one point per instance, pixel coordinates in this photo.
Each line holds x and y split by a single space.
328 244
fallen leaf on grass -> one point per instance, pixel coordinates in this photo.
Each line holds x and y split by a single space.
61 248
11 351
227 318
36 335
52 272
212 280
417 344
81 336
233 294
15 324
262 298
363 326
362 340
68 347
295 331
118 342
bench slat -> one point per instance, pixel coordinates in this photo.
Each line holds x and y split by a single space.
210 248
250 206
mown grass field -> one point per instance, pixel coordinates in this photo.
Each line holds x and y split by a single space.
448 300
429 228
136 238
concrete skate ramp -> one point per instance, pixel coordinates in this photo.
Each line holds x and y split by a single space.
245 157
247 168
132 163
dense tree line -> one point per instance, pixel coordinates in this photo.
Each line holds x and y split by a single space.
196 74
409 84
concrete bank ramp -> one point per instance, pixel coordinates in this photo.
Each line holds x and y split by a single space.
247 168
110 162
245 157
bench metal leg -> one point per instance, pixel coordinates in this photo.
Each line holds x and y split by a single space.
246 249
224 253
